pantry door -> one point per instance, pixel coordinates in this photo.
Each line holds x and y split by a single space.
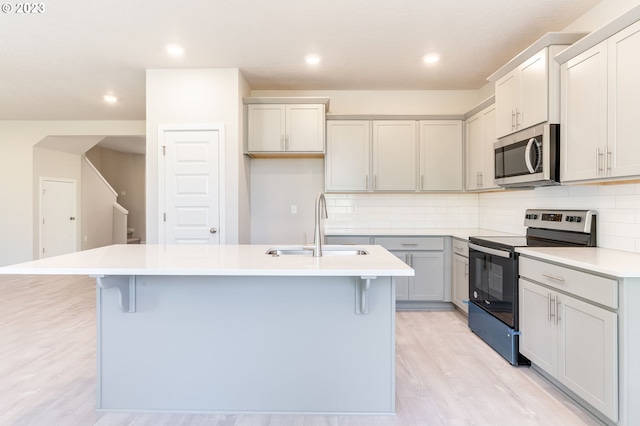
192 170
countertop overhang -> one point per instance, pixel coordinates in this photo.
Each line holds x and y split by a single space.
209 260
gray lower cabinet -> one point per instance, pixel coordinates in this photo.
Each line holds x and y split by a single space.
428 282
460 275
430 257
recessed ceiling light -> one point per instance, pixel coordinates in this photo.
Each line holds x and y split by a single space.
431 58
110 99
313 59
175 49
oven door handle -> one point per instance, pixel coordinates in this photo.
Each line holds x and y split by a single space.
500 253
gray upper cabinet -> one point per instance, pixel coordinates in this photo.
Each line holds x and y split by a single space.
440 151
286 128
394 155
527 88
599 107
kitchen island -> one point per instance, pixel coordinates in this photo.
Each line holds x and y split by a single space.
233 329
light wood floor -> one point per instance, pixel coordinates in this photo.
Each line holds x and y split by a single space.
445 374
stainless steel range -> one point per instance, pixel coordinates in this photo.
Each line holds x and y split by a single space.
493 272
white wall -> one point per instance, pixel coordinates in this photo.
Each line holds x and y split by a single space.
17 140
197 96
389 101
600 14
276 185
125 172
97 210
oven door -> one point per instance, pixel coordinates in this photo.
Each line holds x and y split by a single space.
493 282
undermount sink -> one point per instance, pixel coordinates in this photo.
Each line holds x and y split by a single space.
308 251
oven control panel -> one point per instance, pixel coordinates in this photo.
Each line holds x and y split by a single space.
565 220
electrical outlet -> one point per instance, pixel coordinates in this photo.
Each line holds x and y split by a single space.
294 209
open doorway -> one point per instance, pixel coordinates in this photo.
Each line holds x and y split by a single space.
112 182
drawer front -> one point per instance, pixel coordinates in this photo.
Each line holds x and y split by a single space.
582 284
347 239
410 243
461 247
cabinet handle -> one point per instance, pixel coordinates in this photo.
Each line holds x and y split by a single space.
518 114
411 259
286 142
481 178
551 302
608 163
553 277
598 162
408 244
458 249
282 147
421 182
513 120
557 309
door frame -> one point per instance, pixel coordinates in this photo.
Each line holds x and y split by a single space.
42 179
162 129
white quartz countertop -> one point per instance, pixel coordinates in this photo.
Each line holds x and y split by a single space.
241 260
615 263
462 233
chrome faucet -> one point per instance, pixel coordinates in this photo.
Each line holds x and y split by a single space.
321 203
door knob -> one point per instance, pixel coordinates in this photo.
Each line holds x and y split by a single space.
213 230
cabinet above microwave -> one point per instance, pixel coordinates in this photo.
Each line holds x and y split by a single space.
527 88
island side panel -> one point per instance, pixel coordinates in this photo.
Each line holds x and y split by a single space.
248 344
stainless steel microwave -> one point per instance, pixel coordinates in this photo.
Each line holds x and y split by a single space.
530 157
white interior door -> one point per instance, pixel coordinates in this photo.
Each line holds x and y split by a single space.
193 187
58 224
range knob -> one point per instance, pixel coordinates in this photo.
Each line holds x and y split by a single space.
578 219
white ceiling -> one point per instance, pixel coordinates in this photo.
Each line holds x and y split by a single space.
57 65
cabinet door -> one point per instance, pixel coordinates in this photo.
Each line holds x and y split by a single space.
584 115
460 282
394 155
402 283
266 127
534 91
538 328
489 127
475 152
347 158
623 153
506 103
428 282
304 128
440 155
588 353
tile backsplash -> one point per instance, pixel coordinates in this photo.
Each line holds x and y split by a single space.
401 211
617 206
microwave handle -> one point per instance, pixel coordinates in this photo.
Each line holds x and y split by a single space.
527 155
